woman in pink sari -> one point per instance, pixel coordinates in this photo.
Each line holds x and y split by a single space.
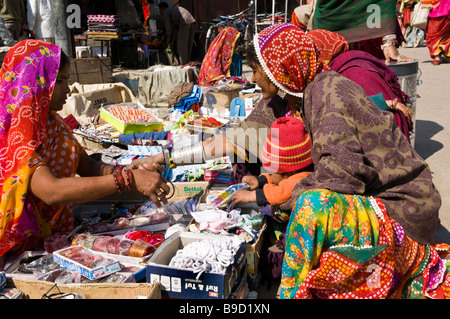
438 30
40 158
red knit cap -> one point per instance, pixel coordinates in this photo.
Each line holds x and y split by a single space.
288 146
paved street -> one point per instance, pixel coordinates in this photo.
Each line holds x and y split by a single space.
432 139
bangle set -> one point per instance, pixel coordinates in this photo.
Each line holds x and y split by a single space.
122 184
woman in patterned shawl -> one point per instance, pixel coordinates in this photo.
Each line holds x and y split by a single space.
40 157
374 76
363 223
217 63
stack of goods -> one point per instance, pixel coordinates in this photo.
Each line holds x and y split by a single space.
131 114
104 26
223 199
44 267
209 255
217 221
206 122
156 217
116 245
104 133
86 262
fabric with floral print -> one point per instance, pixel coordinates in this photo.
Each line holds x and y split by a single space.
346 247
27 79
218 58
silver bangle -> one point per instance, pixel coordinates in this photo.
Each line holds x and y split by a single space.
189 155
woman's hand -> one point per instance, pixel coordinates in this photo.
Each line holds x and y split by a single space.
404 109
151 184
150 163
251 180
244 196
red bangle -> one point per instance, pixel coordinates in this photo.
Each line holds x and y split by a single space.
114 168
130 178
118 179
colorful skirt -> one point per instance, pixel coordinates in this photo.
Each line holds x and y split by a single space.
438 36
346 247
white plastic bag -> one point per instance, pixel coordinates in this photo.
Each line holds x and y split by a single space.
420 16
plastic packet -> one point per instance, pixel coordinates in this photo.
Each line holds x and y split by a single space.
224 198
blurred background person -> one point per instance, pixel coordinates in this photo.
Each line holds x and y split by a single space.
41 23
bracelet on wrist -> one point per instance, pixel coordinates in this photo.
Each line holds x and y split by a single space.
394 104
117 167
118 179
130 178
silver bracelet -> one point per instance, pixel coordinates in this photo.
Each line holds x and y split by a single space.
189 155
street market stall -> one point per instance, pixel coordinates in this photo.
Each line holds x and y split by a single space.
123 246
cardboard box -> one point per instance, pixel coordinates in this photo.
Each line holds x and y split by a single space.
218 98
182 283
189 189
128 128
11 269
253 252
90 273
91 70
35 289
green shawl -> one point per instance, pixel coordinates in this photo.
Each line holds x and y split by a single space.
356 20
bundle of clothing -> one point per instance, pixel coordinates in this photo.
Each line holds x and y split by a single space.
103 23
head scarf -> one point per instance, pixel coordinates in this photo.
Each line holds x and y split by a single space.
288 57
27 79
217 62
329 44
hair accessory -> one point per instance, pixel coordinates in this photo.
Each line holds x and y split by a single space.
287 147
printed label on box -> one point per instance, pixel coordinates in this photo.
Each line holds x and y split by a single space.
176 284
165 283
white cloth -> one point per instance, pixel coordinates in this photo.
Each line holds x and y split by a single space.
40 18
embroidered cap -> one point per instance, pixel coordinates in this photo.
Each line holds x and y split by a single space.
288 57
287 147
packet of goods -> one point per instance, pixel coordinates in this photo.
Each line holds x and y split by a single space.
224 198
132 114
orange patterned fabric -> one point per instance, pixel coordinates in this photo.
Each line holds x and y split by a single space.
60 151
329 44
337 249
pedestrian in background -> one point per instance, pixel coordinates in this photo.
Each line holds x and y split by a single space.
41 22
6 39
14 14
179 27
438 30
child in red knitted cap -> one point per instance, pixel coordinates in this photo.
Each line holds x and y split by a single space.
287 154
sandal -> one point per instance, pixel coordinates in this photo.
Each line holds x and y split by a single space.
436 61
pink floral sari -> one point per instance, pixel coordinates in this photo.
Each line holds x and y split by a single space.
27 79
